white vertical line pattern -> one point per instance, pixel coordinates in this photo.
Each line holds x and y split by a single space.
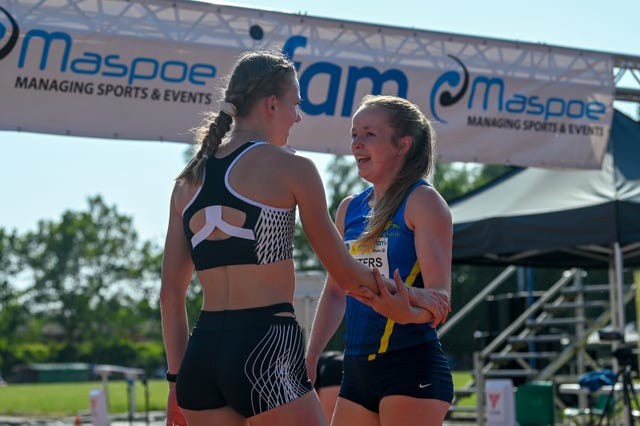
275 367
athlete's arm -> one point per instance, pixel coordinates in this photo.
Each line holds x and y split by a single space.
321 232
429 216
331 307
177 270
329 314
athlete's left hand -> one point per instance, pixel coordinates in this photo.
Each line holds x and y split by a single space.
434 300
395 306
174 415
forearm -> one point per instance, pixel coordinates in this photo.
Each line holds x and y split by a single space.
354 276
175 333
347 273
328 317
326 240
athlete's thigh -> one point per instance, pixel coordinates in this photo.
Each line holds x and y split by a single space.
328 396
305 411
400 410
219 416
348 413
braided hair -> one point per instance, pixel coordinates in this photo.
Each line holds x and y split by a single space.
256 75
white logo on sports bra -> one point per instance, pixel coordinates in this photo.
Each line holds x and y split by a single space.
213 220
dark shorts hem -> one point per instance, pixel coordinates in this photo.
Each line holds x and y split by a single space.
420 372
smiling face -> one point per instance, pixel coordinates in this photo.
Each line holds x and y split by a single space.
378 156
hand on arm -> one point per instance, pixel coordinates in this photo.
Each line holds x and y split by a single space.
427 214
435 301
395 305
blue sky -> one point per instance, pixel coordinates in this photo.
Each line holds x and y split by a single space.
43 175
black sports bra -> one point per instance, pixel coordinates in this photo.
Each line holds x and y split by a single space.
265 237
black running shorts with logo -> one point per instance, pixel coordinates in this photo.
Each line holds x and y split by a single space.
249 359
419 371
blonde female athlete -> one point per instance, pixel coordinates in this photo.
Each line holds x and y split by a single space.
395 371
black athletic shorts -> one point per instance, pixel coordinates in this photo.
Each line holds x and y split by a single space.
420 372
249 359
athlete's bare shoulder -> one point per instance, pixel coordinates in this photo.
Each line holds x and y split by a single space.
426 204
291 163
182 193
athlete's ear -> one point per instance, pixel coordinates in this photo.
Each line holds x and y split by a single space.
404 144
272 103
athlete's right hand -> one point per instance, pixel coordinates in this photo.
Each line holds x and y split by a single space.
174 414
312 365
395 304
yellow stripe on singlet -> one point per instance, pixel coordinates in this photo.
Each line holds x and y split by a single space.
388 329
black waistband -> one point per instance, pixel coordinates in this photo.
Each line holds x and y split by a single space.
236 318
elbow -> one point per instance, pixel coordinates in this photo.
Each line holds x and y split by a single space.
165 298
170 299
348 273
344 285
348 281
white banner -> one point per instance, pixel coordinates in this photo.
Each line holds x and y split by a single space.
147 70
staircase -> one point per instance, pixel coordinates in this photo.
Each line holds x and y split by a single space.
549 340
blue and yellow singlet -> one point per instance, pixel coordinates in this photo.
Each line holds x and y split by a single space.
367 332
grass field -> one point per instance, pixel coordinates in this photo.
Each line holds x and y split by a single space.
69 399
460 380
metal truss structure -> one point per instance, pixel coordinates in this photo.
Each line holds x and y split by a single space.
203 23
627 78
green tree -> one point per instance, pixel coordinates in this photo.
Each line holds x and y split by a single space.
13 313
343 181
8 259
86 270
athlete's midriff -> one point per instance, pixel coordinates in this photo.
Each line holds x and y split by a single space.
247 286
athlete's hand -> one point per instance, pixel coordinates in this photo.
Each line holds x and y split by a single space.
312 365
394 305
174 415
434 300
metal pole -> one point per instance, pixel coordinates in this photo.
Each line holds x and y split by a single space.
131 384
479 377
617 256
583 402
613 302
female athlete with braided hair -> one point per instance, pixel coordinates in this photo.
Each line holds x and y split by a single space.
232 216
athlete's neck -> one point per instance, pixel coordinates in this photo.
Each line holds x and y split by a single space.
245 135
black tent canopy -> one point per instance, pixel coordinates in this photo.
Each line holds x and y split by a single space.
544 217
